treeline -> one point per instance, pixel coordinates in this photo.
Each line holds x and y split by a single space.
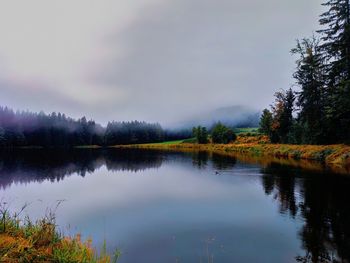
133 132
219 133
18 129
318 112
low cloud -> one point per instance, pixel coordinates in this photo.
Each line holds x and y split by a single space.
148 60
183 57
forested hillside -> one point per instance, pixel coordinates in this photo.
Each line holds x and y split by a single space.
57 130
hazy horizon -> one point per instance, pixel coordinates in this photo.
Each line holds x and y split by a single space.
157 61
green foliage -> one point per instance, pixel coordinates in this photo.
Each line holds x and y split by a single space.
282 113
190 140
222 134
172 142
46 130
335 48
201 134
266 122
323 78
134 132
18 129
252 131
311 77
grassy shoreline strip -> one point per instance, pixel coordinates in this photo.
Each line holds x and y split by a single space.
334 156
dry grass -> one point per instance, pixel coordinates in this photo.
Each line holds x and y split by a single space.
335 157
25 241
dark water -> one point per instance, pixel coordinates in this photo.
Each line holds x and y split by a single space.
185 207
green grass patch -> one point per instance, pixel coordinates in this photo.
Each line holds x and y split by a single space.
246 131
190 140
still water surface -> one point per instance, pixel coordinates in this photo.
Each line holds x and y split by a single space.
185 207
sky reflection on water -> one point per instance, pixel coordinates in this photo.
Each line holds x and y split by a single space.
163 207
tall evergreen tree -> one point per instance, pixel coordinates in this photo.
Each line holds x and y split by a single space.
201 134
265 122
204 135
336 48
310 77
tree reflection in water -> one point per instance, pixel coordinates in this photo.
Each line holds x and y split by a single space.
322 201
24 166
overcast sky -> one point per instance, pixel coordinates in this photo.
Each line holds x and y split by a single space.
153 60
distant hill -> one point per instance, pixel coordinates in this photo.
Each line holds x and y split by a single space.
234 116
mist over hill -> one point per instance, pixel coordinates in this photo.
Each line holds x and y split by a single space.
235 116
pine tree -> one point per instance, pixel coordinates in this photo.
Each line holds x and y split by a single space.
310 77
265 122
201 134
336 48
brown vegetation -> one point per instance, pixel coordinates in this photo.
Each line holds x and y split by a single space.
258 148
25 241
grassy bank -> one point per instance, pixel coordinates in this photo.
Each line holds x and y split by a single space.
26 241
333 156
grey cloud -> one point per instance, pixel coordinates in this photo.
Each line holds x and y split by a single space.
176 58
181 57
35 96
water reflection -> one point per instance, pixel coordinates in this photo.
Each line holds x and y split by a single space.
200 159
223 162
322 201
189 197
24 166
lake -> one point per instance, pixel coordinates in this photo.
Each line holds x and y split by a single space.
161 207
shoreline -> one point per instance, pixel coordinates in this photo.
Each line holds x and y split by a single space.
333 157
255 148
